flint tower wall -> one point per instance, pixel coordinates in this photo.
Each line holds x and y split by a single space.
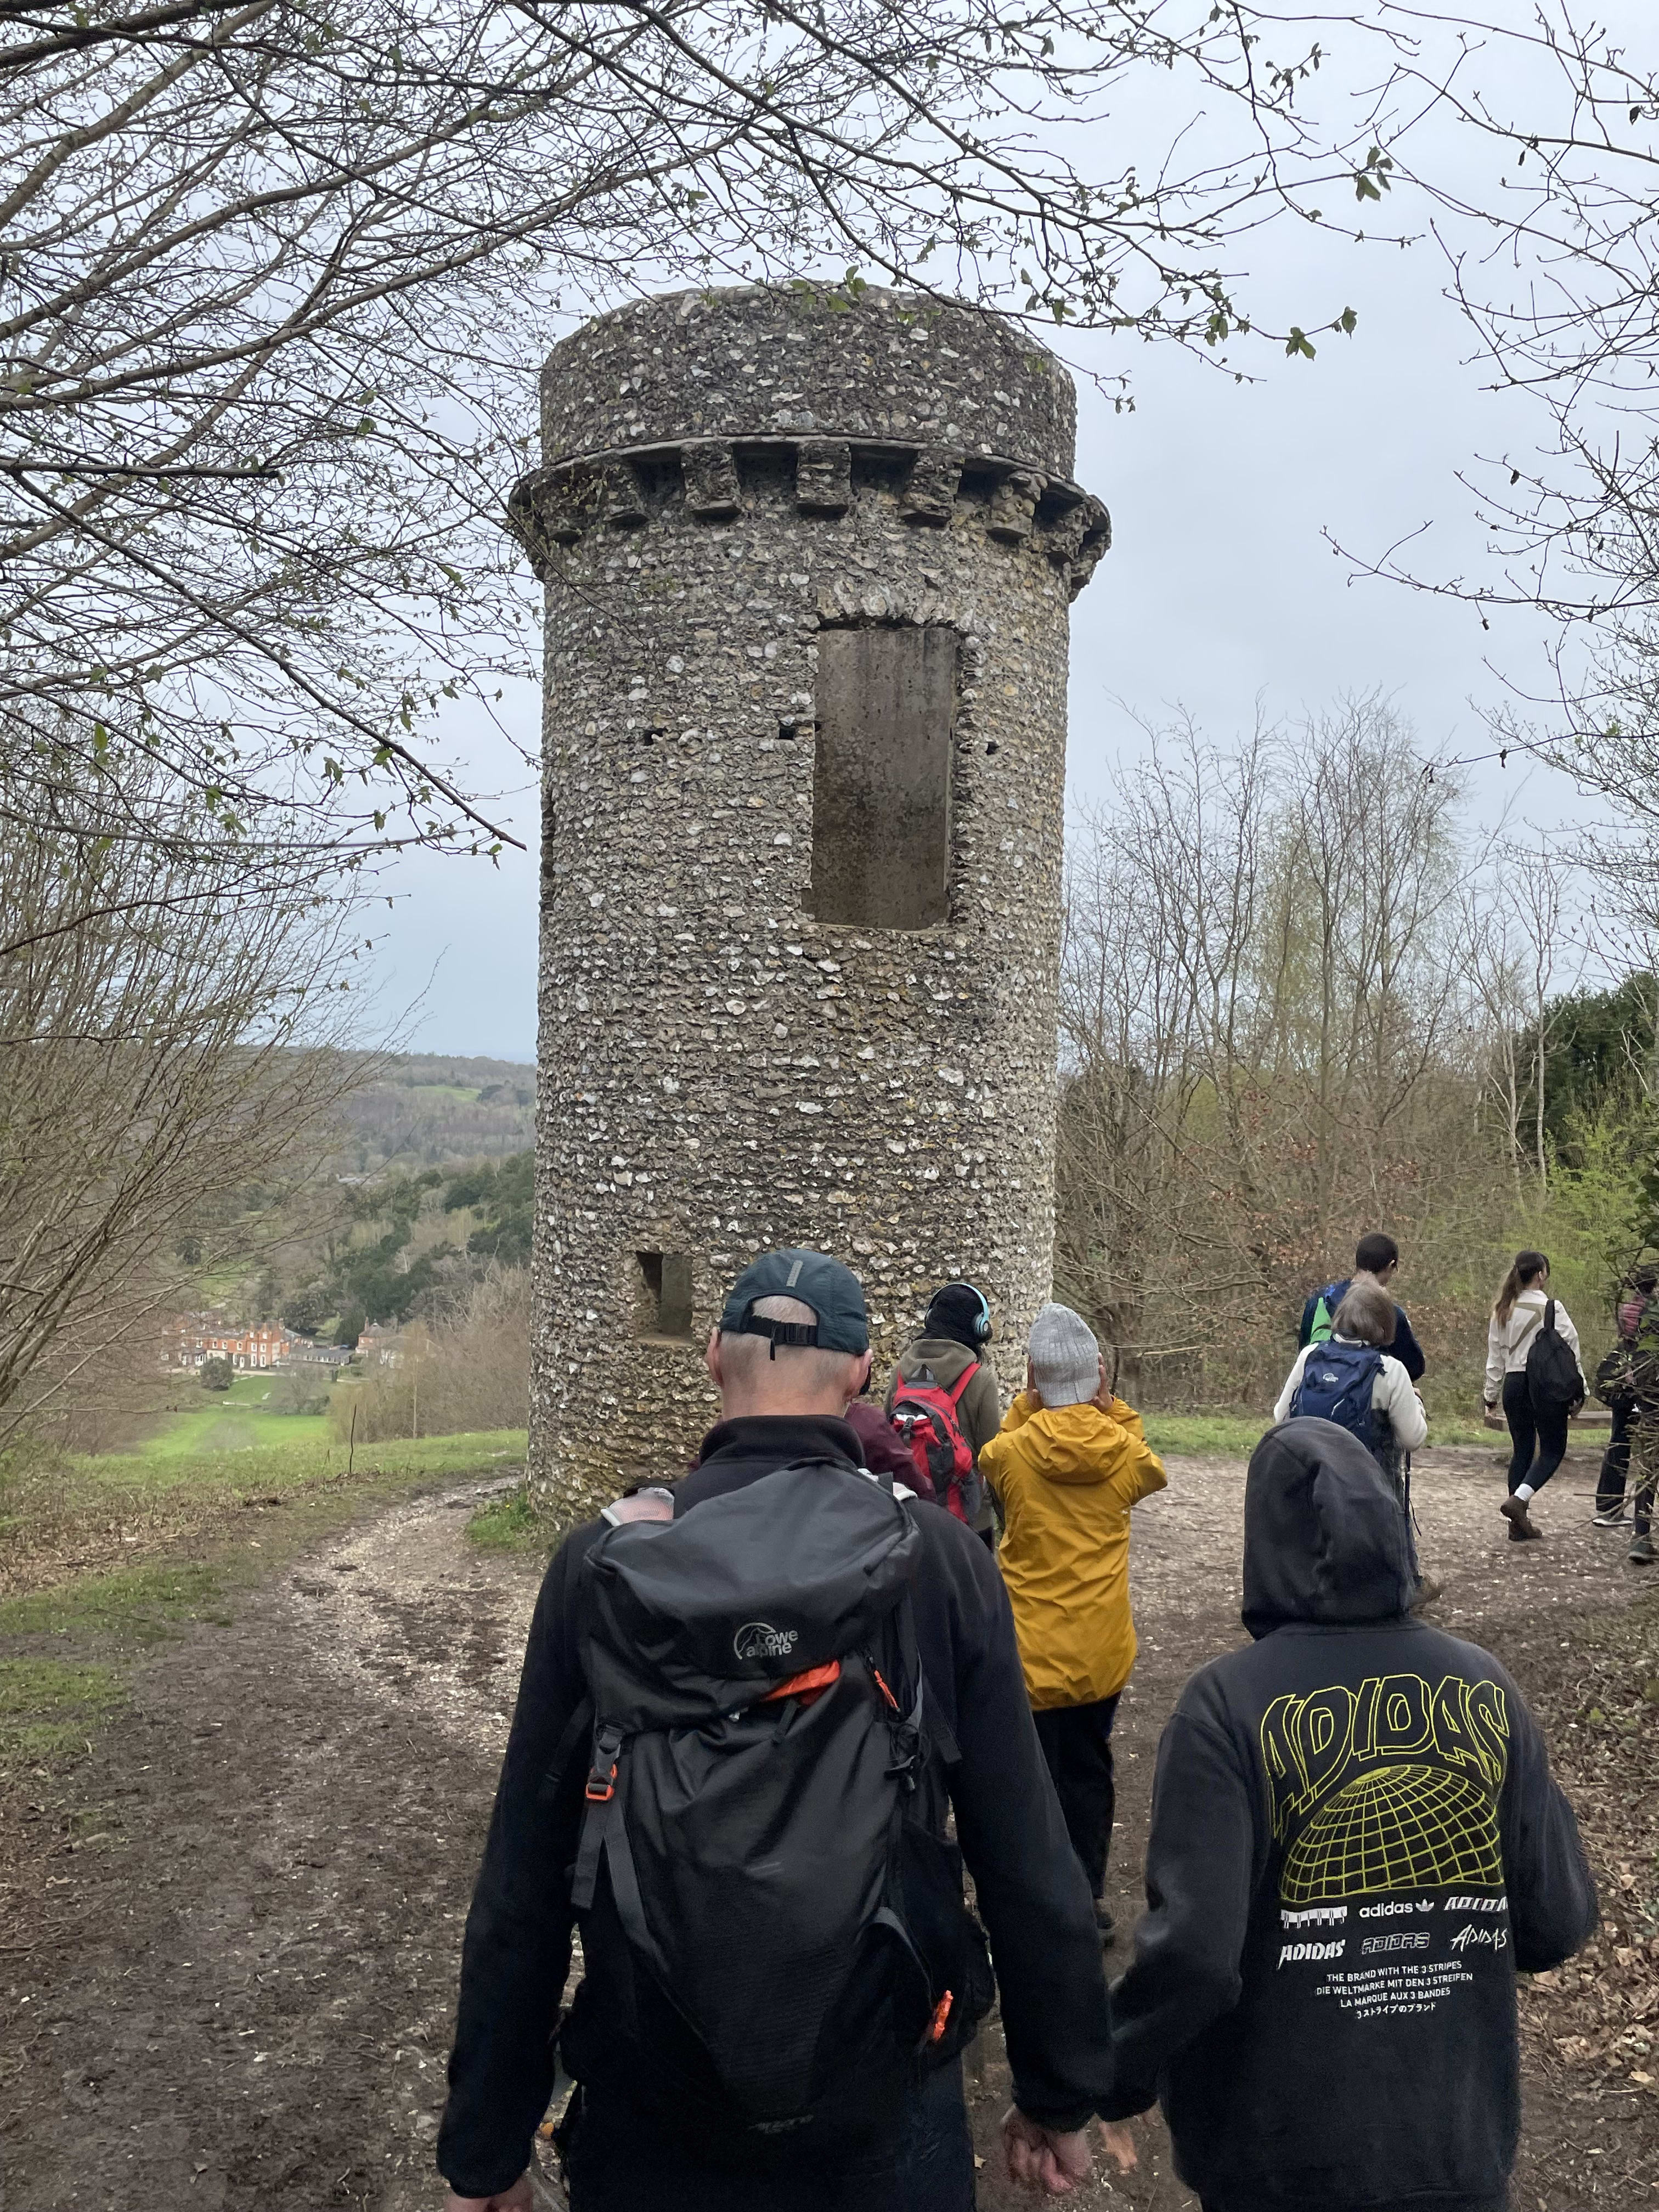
808 559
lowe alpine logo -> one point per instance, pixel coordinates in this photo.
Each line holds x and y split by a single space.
758 1639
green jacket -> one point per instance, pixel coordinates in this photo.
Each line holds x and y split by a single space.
980 1406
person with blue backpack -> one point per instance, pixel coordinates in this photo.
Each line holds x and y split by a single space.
1350 1379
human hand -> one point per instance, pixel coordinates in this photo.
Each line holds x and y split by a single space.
1033 1395
1120 2144
517 2198
1041 2158
1491 1417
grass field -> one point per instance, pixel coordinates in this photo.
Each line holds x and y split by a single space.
237 1419
101 1556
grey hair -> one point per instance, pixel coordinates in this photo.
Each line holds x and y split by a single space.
743 1353
1365 1313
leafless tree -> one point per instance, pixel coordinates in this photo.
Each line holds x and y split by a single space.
275 279
1525 949
1267 1016
165 1042
1556 268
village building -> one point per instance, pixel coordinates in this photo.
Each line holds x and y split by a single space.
194 1337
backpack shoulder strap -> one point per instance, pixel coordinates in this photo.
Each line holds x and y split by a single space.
1549 1316
1527 1331
654 1503
575 1731
962 1382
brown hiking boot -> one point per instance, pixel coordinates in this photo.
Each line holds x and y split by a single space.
1522 1525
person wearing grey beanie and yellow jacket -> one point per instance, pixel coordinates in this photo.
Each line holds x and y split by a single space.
1070 1463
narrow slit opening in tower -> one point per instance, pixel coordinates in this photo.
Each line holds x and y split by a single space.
663 1297
885 711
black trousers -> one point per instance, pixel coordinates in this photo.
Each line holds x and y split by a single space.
1540 1445
1644 1465
1615 1460
1077 1744
619 2158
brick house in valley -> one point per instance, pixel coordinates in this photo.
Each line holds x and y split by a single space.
195 1337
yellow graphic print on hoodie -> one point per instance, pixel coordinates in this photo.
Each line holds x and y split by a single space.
1067 1477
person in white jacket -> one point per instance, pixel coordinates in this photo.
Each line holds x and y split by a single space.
1366 1317
1365 1320
1539 1440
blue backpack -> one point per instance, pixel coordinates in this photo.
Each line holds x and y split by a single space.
1336 1385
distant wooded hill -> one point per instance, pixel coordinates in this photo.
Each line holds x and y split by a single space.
431 1109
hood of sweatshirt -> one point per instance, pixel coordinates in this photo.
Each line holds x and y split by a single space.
1324 1532
1071 1443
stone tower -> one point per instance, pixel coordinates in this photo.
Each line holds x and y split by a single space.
808 559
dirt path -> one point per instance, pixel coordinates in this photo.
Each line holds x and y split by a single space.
227 1976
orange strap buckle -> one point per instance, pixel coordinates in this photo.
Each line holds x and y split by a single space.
812 1684
941 2015
601 1789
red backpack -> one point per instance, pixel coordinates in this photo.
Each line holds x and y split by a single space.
925 1415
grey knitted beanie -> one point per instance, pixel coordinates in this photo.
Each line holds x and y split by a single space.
1065 1356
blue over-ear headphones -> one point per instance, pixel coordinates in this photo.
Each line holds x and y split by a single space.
980 1326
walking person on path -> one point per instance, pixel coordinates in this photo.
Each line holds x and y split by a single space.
1375 1259
1523 1314
949 1356
709 1832
1356 1845
1616 1386
1357 1383
1349 1379
1071 1462
1641 1378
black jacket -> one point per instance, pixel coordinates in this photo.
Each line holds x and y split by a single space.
1405 1347
1355 1843
1031 1893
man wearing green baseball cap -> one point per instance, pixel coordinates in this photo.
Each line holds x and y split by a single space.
790 1354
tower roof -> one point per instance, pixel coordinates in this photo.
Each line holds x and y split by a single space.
808 360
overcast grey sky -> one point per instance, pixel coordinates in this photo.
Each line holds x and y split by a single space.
1221 590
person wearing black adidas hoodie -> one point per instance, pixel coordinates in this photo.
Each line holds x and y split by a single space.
783 1404
1356 1843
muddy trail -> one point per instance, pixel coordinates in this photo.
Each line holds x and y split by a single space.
227 1972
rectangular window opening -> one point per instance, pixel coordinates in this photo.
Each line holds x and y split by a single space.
662 1307
885 711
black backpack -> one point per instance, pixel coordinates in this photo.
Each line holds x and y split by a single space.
1554 1385
766 1897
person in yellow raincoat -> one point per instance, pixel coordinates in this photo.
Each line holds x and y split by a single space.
1067 1465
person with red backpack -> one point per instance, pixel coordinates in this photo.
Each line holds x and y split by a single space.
1071 1462
945 1402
